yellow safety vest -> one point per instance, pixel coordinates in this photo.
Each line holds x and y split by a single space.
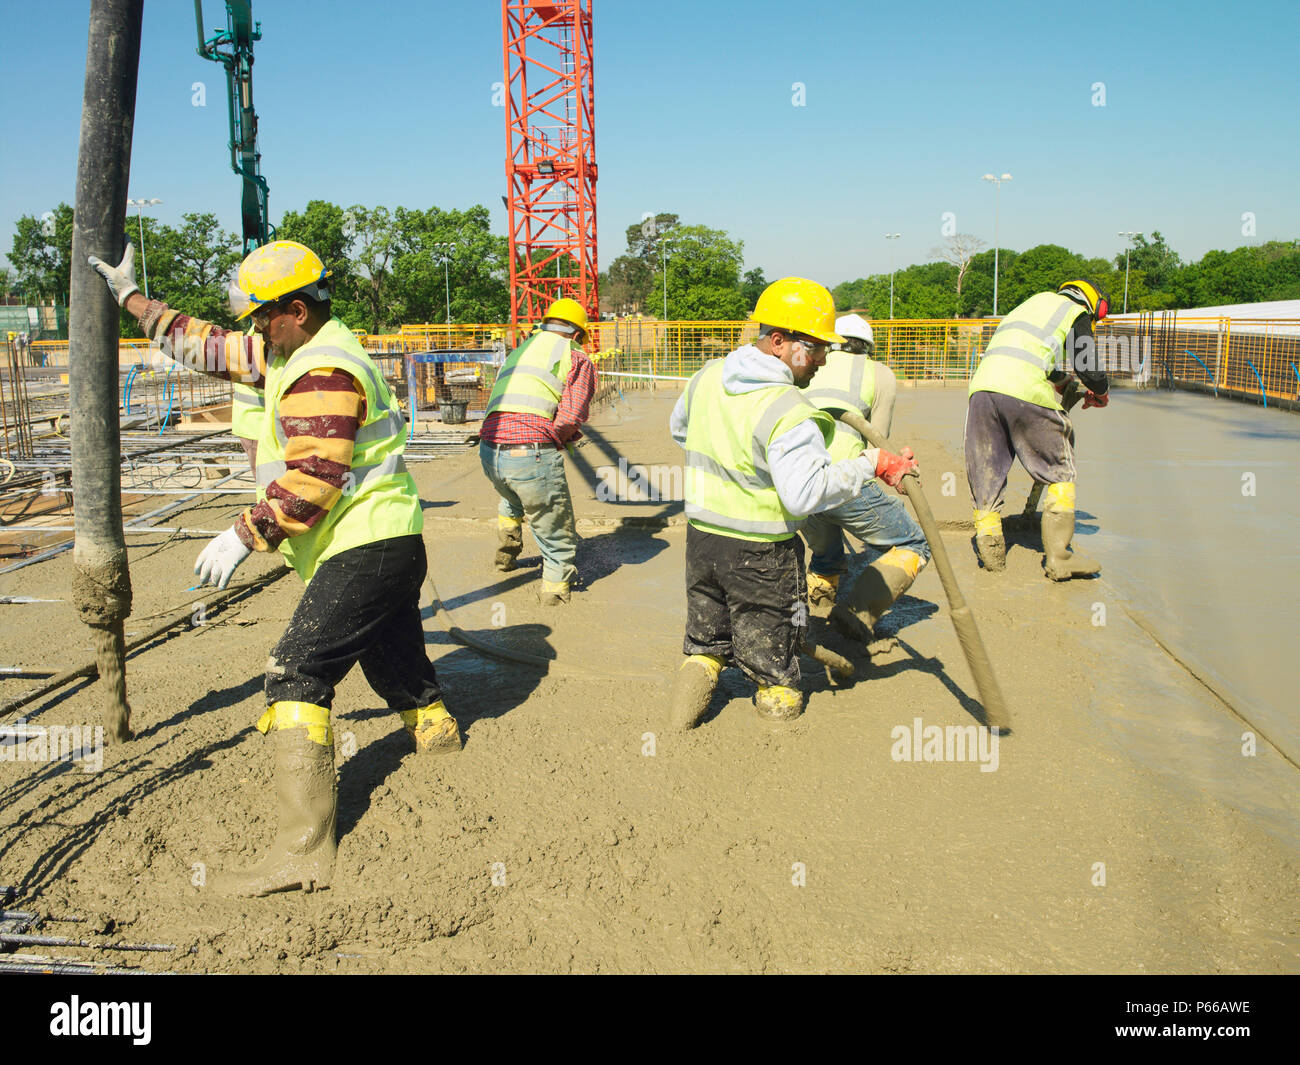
379 498
845 382
531 381
729 488
1025 348
247 409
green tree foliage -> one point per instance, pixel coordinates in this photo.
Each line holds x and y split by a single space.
752 287
1158 262
42 255
475 270
190 267
703 275
625 286
1268 271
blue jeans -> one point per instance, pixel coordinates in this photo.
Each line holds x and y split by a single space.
530 480
873 517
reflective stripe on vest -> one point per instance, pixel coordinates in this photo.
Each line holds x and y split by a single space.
729 488
1025 348
379 500
532 378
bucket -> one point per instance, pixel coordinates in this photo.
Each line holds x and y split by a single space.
453 412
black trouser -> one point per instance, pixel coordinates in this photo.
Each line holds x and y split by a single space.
745 601
362 605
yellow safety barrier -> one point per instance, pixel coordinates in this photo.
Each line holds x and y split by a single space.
1257 358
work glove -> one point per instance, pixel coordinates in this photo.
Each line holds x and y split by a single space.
218 561
1091 399
120 278
893 468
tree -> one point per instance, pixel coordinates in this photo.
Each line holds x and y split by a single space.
1158 262
189 267
625 286
959 250
643 237
475 272
703 275
373 239
42 255
752 287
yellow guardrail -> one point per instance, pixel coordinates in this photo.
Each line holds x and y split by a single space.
1253 357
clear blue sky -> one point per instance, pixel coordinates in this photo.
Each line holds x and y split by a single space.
907 105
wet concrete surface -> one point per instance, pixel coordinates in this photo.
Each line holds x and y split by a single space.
1120 830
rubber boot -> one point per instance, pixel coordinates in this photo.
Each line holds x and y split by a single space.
1059 562
874 592
554 593
510 539
432 729
696 680
777 704
822 590
303 852
990 544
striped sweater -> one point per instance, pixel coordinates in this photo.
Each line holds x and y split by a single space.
319 414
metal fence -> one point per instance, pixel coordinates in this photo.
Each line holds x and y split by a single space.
1250 358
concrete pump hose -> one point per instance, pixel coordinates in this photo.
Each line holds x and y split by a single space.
996 714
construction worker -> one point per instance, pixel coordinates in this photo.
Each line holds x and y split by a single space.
335 498
756 463
853 381
541 397
1014 411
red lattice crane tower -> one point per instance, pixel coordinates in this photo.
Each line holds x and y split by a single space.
550 155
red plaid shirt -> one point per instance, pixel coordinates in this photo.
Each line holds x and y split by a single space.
508 427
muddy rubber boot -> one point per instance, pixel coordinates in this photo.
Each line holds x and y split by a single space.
510 538
696 681
822 589
1059 562
432 729
554 593
879 587
990 544
992 551
777 704
302 854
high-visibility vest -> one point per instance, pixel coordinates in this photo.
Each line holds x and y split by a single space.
379 498
531 380
247 404
247 409
1025 348
845 382
729 488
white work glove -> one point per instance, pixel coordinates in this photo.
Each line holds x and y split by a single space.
120 278
218 561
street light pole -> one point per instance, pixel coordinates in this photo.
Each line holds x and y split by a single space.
1130 235
446 250
140 205
891 236
997 203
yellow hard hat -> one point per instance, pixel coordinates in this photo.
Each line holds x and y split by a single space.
567 310
1098 300
799 305
276 270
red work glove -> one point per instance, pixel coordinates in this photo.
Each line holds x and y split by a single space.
1091 399
893 468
